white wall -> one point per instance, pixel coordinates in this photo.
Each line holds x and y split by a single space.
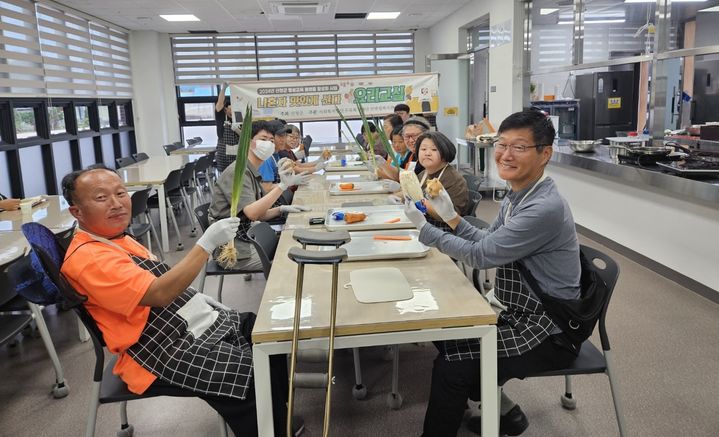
674 232
154 103
505 61
422 48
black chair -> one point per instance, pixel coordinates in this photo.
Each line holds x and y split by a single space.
481 285
590 359
107 387
307 142
202 178
124 161
140 156
213 268
17 315
265 240
173 199
138 229
474 199
188 190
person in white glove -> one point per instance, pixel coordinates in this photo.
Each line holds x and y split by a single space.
391 186
442 207
413 214
291 179
294 208
236 127
218 233
394 199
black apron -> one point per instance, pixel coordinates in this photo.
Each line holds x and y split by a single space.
226 148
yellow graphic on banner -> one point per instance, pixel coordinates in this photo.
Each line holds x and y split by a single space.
614 103
451 111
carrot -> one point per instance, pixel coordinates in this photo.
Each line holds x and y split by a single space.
394 220
392 237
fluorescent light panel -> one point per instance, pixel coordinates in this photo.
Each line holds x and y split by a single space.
618 20
383 15
547 11
182 17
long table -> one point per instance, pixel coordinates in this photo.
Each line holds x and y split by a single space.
445 306
53 213
200 149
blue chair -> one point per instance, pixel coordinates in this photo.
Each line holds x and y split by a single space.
107 387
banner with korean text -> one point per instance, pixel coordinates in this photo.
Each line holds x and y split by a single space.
316 98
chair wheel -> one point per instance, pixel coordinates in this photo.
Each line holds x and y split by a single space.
60 390
193 233
394 401
127 432
568 402
180 247
359 392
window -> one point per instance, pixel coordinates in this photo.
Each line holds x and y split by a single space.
199 112
104 113
321 131
121 115
56 118
25 125
82 113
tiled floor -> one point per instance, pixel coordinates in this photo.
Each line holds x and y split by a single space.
664 337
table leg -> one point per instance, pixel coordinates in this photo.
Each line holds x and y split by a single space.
488 376
163 218
263 392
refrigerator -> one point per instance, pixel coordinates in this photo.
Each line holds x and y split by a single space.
705 101
608 104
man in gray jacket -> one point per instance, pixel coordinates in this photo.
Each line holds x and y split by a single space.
535 228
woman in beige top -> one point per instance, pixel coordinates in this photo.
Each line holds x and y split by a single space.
435 152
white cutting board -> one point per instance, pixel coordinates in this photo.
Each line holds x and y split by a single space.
366 187
363 246
381 284
377 218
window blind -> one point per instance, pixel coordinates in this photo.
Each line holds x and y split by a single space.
211 59
49 52
21 67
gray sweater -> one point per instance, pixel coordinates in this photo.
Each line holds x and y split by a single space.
540 233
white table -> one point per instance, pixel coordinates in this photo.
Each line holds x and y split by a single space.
445 306
153 172
199 149
53 213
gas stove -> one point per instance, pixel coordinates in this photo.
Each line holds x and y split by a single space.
692 167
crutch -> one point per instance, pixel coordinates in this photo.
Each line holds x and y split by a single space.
303 257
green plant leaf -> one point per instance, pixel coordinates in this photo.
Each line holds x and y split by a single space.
241 162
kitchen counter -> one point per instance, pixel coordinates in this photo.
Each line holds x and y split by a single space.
704 191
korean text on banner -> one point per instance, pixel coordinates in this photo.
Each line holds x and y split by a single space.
316 98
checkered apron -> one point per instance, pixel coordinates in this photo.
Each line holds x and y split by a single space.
522 327
222 158
218 362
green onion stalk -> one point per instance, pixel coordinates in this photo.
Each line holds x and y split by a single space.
388 147
360 109
362 154
228 255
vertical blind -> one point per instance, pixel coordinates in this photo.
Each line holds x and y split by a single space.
209 59
49 52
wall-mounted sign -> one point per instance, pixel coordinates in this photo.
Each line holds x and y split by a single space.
500 33
451 111
614 103
315 99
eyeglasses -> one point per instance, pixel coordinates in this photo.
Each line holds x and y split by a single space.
515 148
410 137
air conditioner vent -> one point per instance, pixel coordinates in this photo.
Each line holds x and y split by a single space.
299 8
350 16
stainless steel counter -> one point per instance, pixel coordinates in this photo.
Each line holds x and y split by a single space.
705 191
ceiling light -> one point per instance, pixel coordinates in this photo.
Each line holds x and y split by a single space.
712 9
618 20
184 17
383 15
547 11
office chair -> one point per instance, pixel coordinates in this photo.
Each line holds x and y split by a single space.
265 240
474 198
107 387
170 147
307 142
17 315
590 359
212 268
140 156
481 285
173 199
124 161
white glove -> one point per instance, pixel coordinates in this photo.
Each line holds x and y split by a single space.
320 165
380 161
391 185
300 153
289 179
294 208
413 214
394 200
212 302
442 205
236 128
218 234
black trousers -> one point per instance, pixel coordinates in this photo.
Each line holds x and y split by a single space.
453 382
241 414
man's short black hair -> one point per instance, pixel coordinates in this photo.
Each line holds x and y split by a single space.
397 131
401 107
70 179
394 120
261 125
535 120
445 146
228 102
372 127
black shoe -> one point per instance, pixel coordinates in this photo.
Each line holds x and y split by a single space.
513 423
298 426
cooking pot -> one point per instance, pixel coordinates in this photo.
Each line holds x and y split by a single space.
646 153
583 146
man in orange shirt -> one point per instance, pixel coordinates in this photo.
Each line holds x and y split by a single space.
163 331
